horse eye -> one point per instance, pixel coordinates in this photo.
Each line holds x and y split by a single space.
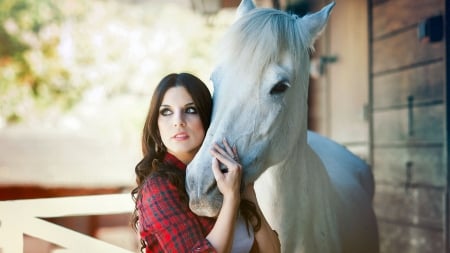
279 88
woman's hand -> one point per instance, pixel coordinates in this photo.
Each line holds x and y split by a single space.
228 180
229 184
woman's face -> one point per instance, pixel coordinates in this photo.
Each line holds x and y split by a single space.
180 125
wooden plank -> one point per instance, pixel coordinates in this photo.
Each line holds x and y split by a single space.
69 239
426 124
418 207
11 236
11 192
68 206
19 217
424 83
395 15
397 238
409 167
404 50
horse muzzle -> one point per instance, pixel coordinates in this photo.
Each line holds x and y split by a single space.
208 204
205 198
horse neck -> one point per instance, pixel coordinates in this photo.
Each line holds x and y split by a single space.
313 195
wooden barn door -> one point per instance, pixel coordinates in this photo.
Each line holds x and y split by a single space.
338 95
407 79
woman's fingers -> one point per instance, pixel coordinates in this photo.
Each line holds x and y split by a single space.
216 169
225 160
229 150
222 151
236 156
229 182
227 170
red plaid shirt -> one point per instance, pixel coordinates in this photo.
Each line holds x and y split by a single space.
166 223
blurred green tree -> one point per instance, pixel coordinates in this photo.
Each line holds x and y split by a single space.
30 71
78 57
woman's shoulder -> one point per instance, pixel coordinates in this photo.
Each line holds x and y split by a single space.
158 189
156 182
163 186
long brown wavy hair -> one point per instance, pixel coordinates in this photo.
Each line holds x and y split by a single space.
153 149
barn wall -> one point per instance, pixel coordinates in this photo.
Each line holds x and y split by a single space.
338 91
407 78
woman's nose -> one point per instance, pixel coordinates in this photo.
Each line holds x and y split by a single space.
179 119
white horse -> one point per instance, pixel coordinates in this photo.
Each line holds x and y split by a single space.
316 195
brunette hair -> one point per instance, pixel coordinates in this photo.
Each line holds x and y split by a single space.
153 149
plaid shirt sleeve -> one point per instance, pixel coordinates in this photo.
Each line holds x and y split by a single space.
162 215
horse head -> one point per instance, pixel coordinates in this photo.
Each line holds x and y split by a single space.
260 96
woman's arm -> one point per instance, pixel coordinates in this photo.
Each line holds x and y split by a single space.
266 239
221 236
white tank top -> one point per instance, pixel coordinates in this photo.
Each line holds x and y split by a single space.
243 238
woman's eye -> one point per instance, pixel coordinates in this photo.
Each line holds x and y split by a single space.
191 110
165 112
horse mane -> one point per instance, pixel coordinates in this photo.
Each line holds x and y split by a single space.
318 201
260 38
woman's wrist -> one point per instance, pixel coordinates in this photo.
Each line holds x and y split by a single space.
221 236
231 199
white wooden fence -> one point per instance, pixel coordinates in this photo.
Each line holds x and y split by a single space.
19 217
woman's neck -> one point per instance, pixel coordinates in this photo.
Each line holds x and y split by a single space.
184 158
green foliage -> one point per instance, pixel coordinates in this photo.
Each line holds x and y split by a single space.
30 73
17 17
68 55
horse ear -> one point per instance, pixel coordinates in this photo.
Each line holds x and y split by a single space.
316 22
244 7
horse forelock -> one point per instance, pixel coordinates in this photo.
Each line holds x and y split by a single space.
260 38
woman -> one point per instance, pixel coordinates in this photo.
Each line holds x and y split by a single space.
174 130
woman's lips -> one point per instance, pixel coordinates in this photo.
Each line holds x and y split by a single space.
180 136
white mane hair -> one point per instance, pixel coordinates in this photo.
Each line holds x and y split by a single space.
261 37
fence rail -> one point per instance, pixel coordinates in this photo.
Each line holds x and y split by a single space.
19 217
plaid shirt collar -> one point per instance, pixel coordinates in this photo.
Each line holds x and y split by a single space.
171 159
